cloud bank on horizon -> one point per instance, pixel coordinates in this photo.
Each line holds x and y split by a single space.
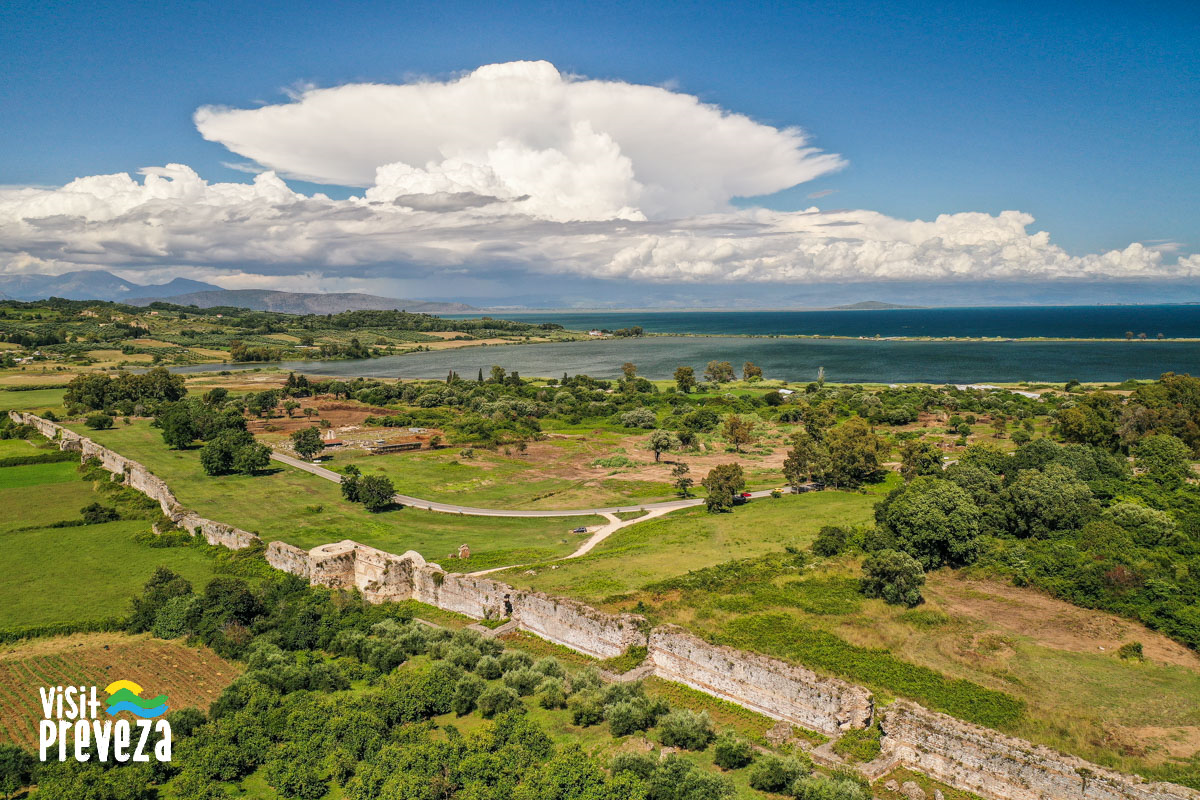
515 167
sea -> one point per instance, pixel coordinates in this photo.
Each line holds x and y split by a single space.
1087 352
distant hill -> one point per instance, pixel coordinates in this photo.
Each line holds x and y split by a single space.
870 305
95 284
303 303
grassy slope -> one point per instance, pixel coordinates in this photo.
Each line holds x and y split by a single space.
283 505
73 574
693 539
33 400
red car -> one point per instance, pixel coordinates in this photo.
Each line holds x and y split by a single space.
746 494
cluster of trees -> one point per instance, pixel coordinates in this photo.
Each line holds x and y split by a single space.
376 492
288 718
124 393
240 351
847 455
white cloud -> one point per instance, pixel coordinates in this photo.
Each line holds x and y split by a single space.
578 149
514 168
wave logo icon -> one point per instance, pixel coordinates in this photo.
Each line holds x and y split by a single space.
126 696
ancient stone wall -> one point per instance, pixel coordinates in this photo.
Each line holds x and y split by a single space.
577 626
775 688
138 477
1002 767
289 558
480 598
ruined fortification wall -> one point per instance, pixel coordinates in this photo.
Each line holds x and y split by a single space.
775 688
480 598
289 558
138 477
577 626
1002 767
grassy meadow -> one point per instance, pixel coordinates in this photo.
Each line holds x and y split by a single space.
293 506
73 574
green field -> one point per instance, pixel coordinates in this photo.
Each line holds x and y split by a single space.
72 574
293 506
32 400
692 539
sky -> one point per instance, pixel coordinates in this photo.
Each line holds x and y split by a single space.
581 154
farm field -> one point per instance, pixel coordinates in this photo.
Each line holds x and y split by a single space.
35 400
189 676
292 506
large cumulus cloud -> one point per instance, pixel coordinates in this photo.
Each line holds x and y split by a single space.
515 167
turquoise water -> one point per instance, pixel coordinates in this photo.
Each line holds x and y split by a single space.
1073 322
844 360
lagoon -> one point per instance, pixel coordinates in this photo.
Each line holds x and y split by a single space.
844 360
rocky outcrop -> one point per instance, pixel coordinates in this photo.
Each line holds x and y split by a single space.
771 687
136 476
1003 767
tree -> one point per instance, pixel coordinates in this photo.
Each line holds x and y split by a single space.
289 407
738 431
999 426
931 519
1094 419
685 379
732 752
98 422
639 418
683 482
718 372
307 442
498 374
629 370
178 429
350 477
1044 501
376 492
920 457
251 457
751 371
263 403
855 454
662 441
1164 459
16 769
310 412
723 482
686 729
894 576
805 457
234 450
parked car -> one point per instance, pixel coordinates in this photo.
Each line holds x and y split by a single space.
740 500
579 530
747 494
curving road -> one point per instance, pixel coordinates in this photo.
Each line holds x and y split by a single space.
450 508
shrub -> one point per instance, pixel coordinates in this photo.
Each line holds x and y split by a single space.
639 764
523 681
639 418
98 422
732 752
824 787
515 659
551 694
774 773
831 540
586 709
549 667
686 729
859 745
1131 650
96 514
496 700
894 576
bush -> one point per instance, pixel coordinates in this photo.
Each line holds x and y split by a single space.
732 752
1131 650
462 656
523 681
98 422
96 514
686 729
640 764
586 709
551 694
859 745
894 576
496 700
515 659
774 773
831 540
550 667
824 787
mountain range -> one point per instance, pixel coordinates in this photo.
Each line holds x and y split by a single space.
101 285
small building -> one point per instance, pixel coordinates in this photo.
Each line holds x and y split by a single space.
392 447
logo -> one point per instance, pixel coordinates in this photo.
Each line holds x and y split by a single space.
71 720
124 696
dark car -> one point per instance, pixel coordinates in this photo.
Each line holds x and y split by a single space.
579 530
740 500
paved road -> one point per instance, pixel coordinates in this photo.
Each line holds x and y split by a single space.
450 508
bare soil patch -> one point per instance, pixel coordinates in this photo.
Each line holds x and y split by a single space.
1048 621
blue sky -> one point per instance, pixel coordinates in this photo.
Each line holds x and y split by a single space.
1083 115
